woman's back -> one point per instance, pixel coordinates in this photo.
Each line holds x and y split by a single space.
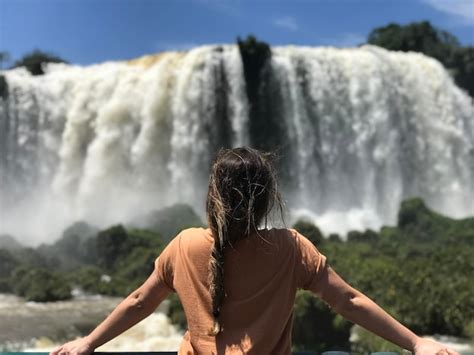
237 284
262 273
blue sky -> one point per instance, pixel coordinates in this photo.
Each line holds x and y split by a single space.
92 31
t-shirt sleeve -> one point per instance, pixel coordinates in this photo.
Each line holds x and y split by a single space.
310 263
164 265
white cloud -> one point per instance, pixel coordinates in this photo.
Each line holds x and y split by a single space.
288 23
462 10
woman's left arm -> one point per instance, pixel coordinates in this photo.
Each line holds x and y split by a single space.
137 306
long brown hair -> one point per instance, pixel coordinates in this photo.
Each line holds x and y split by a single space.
242 191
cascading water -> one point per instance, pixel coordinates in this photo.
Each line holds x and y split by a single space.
359 130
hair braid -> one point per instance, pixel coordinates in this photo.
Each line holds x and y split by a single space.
216 266
216 262
242 191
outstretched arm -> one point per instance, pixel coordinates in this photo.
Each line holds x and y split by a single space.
137 306
360 309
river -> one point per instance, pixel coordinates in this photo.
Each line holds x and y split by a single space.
31 326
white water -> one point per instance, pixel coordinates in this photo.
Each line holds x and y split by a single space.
364 128
30 326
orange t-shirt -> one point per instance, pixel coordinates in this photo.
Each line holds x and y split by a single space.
262 274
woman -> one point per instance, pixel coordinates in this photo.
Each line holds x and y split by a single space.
237 283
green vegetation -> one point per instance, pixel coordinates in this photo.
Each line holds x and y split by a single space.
169 221
420 271
424 38
310 231
113 261
40 285
176 312
417 37
34 61
316 327
365 342
8 263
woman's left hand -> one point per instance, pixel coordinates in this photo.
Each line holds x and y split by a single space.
430 347
76 347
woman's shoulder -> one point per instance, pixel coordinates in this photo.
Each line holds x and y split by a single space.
195 236
289 238
282 236
283 232
194 232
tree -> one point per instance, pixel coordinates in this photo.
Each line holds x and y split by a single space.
417 37
34 61
40 285
462 67
310 231
424 38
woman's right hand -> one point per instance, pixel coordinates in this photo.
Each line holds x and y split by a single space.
79 346
430 347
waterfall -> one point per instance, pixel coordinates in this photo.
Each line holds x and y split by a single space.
358 131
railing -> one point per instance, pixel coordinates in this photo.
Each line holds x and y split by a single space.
175 353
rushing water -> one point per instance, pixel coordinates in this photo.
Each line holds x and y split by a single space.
30 326
362 129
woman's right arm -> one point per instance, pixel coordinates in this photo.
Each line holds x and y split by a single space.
358 308
137 306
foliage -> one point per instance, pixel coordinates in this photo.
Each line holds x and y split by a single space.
417 37
424 38
93 280
34 61
169 221
417 222
469 330
310 231
419 271
176 312
76 247
9 243
88 278
427 255
367 236
112 244
367 342
7 264
316 327
136 268
125 258
31 257
461 65
40 285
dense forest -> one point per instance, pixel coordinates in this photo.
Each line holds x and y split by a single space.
420 270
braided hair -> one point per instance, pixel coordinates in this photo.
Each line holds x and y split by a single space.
242 191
